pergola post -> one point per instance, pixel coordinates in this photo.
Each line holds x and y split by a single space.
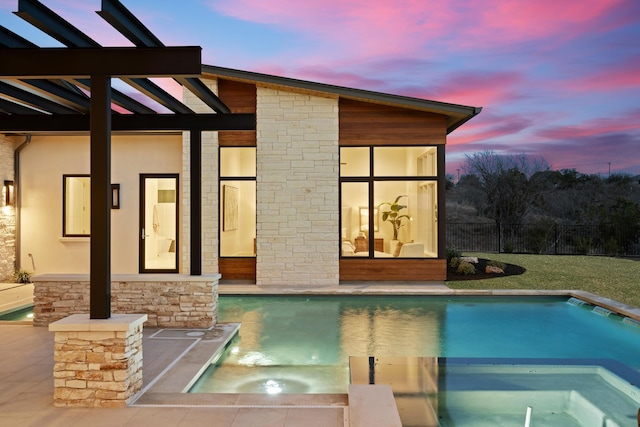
195 167
100 252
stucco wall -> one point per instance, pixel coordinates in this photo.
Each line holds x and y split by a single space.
7 213
297 189
43 164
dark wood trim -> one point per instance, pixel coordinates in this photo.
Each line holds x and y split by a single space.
369 124
382 269
241 98
237 268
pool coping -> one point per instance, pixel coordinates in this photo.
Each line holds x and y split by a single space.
434 289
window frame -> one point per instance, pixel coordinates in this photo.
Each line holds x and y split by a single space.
225 180
64 205
371 179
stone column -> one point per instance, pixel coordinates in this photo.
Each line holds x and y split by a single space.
98 362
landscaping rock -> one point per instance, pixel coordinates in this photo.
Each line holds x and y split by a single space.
491 269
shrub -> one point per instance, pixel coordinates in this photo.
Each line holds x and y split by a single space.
611 246
453 253
508 248
466 268
499 264
538 235
21 276
454 262
583 245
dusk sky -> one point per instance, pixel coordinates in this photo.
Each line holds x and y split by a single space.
556 78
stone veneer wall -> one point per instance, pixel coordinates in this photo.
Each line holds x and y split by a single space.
210 189
97 363
297 189
7 213
190 302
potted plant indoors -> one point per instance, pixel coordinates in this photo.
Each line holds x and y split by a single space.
394 214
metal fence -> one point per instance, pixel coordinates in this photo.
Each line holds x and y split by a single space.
554 239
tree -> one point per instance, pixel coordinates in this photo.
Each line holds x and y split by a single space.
623 217
512 184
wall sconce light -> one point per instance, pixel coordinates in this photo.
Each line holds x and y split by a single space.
115 196
9 196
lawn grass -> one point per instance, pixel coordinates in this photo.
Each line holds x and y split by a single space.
614 278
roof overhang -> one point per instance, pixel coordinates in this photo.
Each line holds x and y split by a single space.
456 114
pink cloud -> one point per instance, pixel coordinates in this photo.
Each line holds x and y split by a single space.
488 128
378 27
476 88
594 154
625 75
625 123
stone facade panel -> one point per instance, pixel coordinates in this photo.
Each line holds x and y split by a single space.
168 304
101 383
297 163
7 213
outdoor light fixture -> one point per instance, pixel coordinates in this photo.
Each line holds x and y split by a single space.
115 196
8 193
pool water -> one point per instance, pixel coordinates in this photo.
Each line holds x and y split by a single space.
452 392
22 315
302 344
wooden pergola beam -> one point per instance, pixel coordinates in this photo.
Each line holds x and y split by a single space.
56 63
130 122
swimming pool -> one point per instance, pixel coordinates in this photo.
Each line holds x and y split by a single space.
301 344
18 315
453 392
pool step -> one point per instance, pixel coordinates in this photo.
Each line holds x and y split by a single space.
372 405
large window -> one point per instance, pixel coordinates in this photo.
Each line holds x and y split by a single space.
76 205
237 201
389 202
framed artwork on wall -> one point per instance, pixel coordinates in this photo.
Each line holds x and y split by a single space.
230 208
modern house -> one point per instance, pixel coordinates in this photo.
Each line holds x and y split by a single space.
327 185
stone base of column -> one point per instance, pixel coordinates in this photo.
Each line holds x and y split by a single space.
98 362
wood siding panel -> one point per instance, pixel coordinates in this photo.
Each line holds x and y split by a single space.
373 124
237 268
393 269
240 98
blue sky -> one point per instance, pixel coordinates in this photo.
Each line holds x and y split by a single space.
557 79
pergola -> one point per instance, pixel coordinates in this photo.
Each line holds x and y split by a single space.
70 90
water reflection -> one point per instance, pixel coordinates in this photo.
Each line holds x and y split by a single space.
306 341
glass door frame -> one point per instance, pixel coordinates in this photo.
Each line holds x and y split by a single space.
141 229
